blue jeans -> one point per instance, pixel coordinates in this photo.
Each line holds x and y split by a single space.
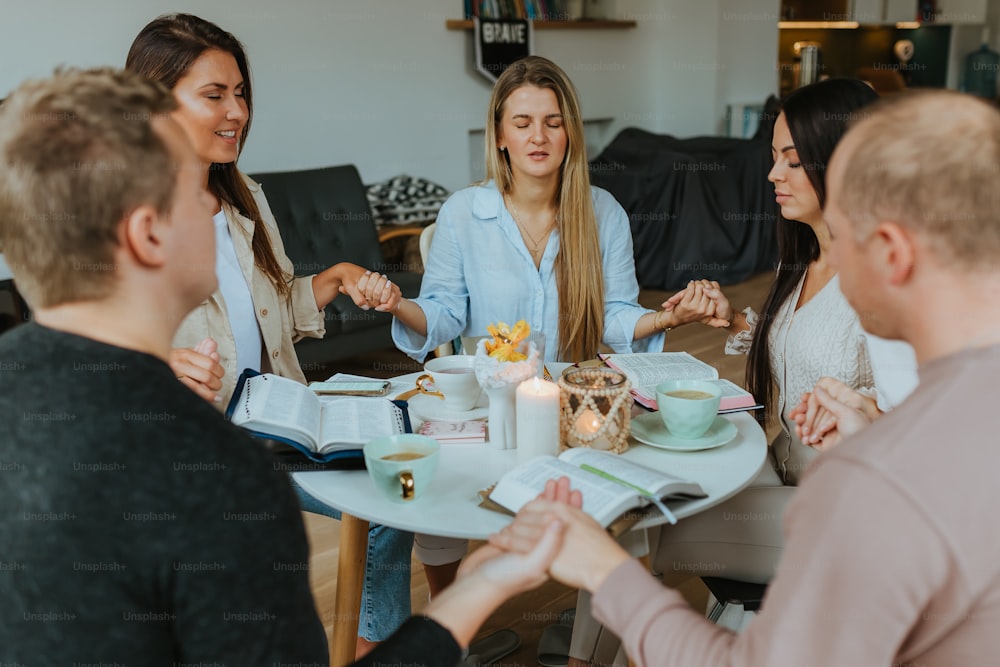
385 598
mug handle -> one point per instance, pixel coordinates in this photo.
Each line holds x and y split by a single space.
420 389
407 484
425 378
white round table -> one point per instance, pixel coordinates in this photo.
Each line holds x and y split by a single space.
450 506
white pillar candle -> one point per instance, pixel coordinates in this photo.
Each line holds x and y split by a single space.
537 419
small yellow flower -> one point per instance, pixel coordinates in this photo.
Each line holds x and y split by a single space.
503 347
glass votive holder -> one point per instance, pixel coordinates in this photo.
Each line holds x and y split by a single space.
594 409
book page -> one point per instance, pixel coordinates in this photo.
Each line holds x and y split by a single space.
734 396
351 421
602 499
647 480
646 370
279 406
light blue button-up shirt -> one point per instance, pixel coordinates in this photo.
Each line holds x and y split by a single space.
479 272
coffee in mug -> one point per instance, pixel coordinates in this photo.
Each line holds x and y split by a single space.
690 394
401 466
403 456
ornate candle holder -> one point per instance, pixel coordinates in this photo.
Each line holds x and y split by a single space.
595 407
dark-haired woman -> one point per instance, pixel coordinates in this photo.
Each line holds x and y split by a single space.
806 331
261 308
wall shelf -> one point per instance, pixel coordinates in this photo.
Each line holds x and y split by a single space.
595 24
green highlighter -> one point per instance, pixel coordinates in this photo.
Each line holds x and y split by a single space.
643 492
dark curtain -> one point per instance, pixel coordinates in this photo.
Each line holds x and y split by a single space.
699 207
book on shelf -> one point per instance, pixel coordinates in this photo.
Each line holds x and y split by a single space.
611 485
321 428
445 432
510 9
646 370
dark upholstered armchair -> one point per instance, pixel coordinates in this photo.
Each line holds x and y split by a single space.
324 218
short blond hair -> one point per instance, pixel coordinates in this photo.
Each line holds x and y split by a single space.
78 153
930 161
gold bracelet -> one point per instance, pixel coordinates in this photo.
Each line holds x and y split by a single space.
656 322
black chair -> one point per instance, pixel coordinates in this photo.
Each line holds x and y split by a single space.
324 218
731 591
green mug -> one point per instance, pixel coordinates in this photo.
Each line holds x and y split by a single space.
688 407
402 466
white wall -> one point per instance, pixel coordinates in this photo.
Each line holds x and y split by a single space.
747 39
382 84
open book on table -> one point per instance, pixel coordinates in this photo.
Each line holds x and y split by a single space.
324 428
646 370
611 485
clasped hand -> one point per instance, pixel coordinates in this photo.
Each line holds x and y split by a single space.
586 553
369 289
701 301
830 412
199 368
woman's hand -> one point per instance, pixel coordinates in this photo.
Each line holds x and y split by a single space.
366 289
831 412
199 368
378 292
588 554
723 309
701 301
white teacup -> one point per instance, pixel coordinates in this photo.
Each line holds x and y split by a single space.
455 377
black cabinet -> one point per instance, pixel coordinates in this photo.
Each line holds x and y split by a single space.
815 10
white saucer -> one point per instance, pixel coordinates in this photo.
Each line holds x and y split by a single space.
431 407
649 429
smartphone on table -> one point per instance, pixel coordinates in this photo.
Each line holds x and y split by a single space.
351 387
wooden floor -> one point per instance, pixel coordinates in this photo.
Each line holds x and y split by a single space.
531 612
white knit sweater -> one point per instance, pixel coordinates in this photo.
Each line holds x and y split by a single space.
823 337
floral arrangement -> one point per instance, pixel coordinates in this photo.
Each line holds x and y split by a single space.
501 364
505 341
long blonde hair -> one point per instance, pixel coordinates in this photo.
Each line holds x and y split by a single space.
578 268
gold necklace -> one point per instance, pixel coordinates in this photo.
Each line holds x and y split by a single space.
534 249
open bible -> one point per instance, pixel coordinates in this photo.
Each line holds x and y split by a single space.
646 370
321 428
611 485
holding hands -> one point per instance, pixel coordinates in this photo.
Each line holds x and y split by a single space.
701 301
831 412
587 555
376 291
491 575
366 289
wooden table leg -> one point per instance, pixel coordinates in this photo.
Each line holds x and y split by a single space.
350 578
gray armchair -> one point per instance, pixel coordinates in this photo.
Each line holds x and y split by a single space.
324 218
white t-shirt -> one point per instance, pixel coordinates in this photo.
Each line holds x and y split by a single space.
894 366
236 294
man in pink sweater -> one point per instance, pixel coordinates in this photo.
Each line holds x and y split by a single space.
892 553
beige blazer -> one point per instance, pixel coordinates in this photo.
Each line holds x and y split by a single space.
281 322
